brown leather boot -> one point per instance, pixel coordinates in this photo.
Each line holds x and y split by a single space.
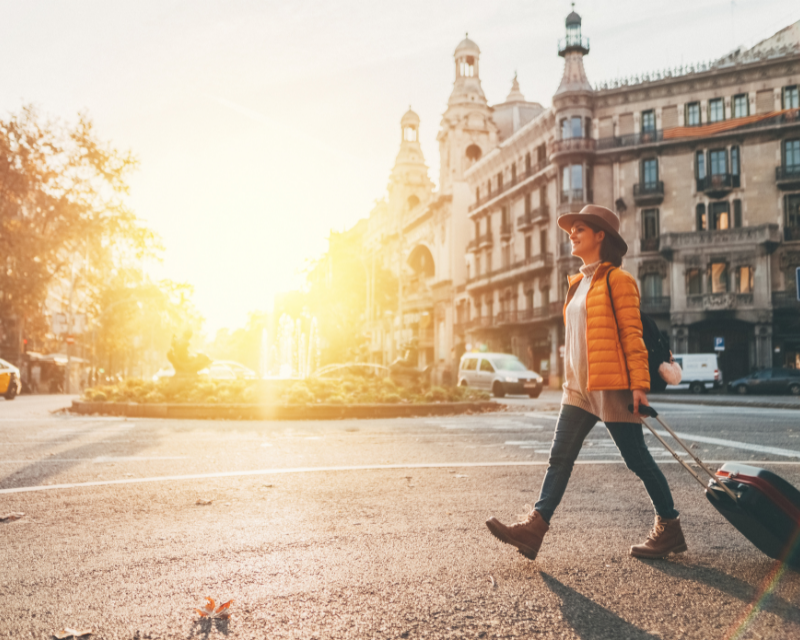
666 537
526 536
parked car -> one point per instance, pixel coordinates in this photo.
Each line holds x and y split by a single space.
239 370
768 381
700 372
10 382
500 373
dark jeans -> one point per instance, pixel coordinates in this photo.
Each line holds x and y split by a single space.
572 428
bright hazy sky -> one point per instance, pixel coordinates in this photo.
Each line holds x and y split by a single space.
261 125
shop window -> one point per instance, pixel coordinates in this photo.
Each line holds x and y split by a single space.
700 213
716 110
718 277
741 105
694 282
720 216
791 98
692 116
744 279
651 286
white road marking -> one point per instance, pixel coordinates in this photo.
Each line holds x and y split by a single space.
735 444
378 467
97 459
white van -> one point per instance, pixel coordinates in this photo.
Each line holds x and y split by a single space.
700 372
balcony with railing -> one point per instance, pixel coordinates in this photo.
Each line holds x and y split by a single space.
631 140
570 146
649 244
507 186
526 220
574 200
787 177
718 185
646 193
484 240
655 304
521 268
573 43
766 234
785 300
719 301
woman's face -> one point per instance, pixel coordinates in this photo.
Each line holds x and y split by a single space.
586 242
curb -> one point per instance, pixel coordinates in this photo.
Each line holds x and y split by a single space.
728 402
278 412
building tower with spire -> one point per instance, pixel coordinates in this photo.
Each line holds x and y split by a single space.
573 149
467 130
409 184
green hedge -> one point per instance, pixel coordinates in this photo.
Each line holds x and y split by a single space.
345 390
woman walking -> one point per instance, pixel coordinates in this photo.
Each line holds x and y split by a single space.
605 370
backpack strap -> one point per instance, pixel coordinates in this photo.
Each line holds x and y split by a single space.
611 297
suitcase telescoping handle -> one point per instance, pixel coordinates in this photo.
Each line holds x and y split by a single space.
646 410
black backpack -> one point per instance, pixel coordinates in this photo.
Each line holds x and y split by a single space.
657 345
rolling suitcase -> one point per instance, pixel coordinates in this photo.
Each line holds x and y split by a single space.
760 504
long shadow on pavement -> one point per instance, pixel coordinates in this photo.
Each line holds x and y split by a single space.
728 584
588 619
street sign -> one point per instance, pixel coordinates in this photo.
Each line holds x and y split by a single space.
719 344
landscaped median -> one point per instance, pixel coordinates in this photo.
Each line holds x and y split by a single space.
309 399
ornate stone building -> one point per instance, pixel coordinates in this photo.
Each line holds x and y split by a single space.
701 163
703 166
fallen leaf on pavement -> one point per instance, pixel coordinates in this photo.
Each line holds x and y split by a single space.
66 632
202 502
10 517
212 611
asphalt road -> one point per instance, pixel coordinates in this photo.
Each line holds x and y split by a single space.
370 529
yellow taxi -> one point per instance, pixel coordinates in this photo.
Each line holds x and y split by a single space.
10 382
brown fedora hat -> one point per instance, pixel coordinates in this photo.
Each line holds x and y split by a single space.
597 216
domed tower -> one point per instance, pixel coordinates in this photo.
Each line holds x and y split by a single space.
409 184
467 131
573 149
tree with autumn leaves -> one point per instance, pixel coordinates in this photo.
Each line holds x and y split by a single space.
65 224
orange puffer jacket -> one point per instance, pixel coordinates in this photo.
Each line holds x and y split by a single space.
616 353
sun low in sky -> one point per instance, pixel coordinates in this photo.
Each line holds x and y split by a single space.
260 126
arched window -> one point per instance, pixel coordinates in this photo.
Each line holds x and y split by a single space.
413 201
474 152
410 134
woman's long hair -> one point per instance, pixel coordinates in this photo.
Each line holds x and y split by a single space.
611 250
